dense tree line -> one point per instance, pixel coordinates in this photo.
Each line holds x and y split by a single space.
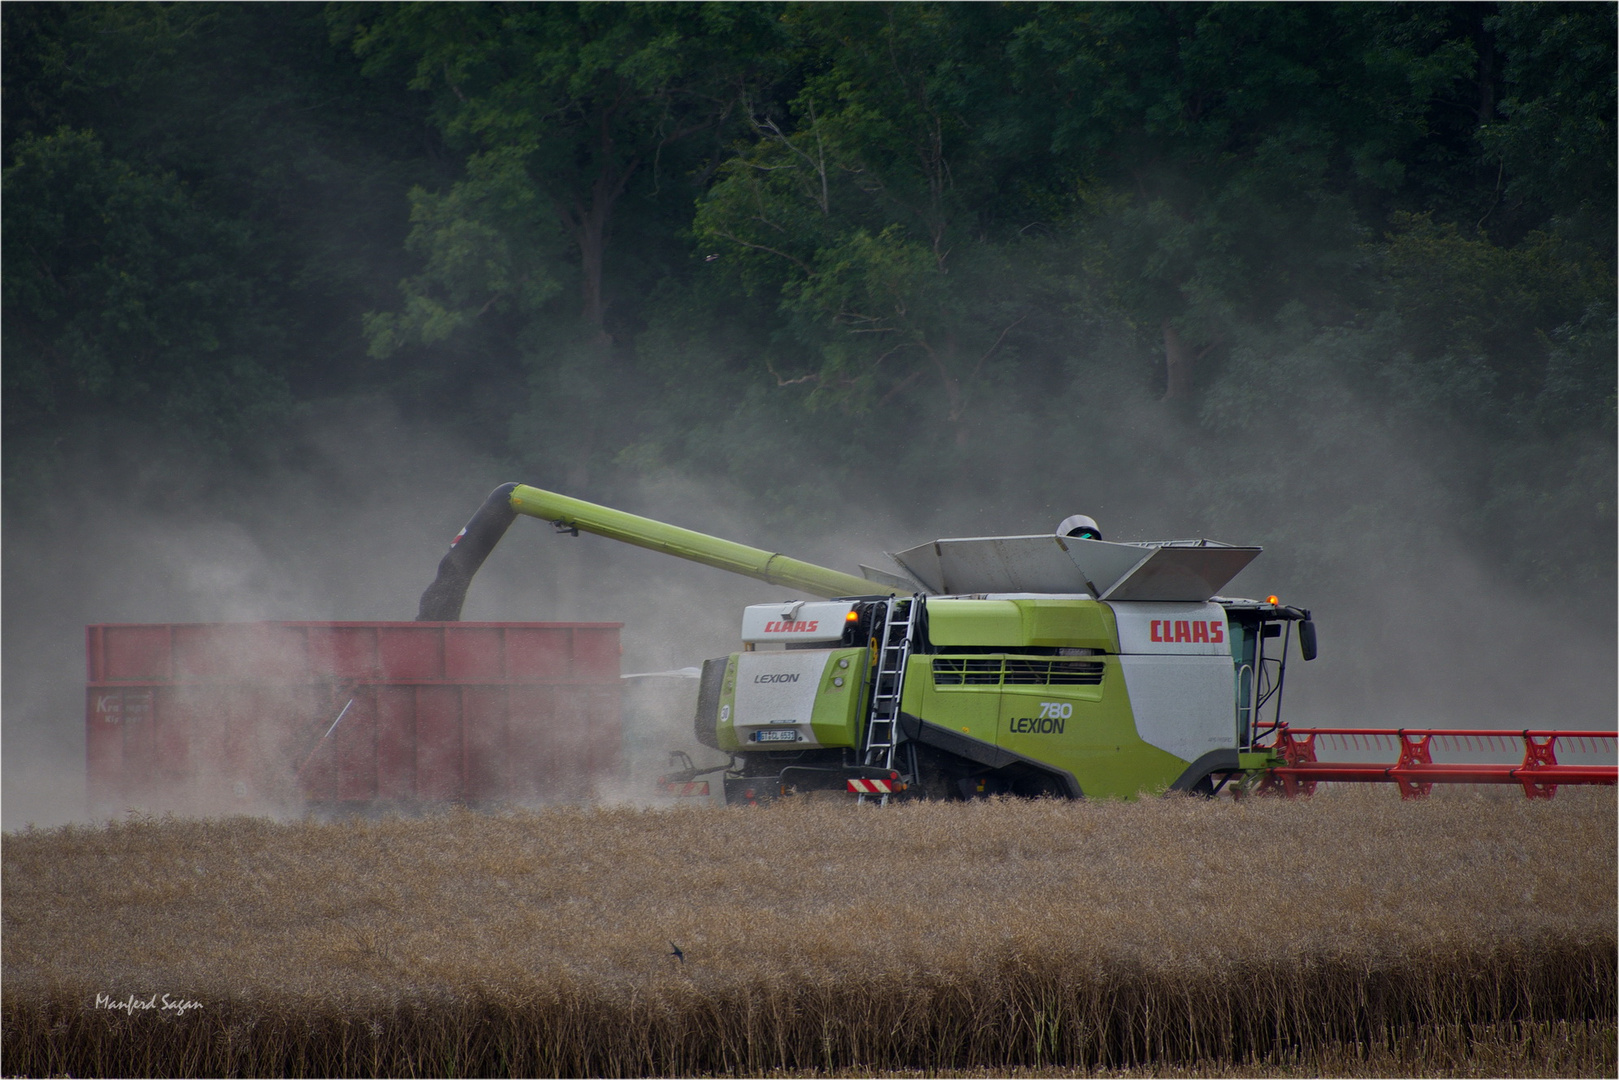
830 251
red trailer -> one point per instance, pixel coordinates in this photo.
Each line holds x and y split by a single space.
225 717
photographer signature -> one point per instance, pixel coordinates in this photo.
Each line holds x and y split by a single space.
159 1002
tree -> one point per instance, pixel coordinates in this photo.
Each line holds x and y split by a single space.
238 174
576 102
857 209
1554 136
1220 157
122 302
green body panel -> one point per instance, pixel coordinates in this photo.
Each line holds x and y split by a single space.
837 713
982 623
1084 624
1011 679
1023 623
725 723
1096 740
840 711
695 546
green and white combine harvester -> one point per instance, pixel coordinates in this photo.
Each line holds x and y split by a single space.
1057 664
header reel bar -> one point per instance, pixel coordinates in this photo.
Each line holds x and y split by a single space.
1416 772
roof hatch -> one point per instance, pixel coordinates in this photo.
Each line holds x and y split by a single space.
1187 571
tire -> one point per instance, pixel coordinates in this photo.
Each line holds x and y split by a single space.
705 725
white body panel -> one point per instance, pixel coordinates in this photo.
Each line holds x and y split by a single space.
1157 571
1173 629
1182 704
776 690
795 620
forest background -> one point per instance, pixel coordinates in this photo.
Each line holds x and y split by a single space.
288 287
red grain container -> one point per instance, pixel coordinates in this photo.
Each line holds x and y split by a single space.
227 717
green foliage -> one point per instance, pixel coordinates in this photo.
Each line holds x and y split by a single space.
1223 153
1215 250
1555 135
489 244
574 102
122 299
860 218
191 259
1479 317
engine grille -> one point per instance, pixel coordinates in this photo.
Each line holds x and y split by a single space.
998 671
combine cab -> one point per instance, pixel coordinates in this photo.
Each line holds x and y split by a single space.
1057 664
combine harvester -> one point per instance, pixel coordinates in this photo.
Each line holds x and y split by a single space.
1059 664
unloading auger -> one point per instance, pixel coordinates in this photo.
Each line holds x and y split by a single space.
443 599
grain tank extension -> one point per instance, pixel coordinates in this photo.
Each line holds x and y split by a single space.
1050 664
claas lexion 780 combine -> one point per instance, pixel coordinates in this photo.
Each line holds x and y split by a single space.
1058 664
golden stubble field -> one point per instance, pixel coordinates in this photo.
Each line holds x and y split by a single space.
1471 933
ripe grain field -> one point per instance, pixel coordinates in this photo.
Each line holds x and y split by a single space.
1350 934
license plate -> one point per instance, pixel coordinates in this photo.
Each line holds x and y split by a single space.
688 789
775 736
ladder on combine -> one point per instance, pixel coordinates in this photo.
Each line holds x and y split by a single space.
888 684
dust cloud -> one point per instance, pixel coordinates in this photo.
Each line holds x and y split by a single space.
1418 625
354 532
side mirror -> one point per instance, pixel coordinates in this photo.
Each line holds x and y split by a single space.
1307 639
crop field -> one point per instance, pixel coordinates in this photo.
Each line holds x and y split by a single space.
1350 934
